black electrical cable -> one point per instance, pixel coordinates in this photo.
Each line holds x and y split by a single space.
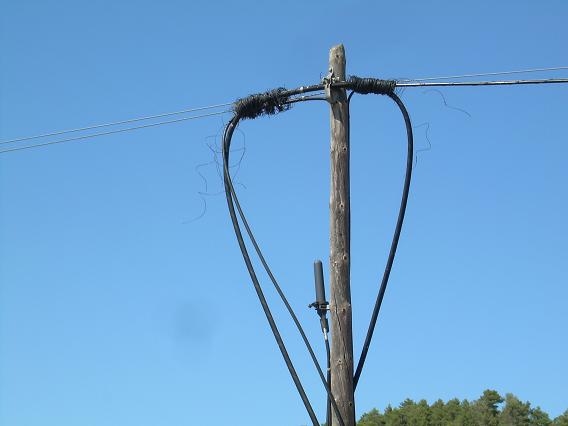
277 101
395 239
280 100
330 398
266 104
299 327
227 181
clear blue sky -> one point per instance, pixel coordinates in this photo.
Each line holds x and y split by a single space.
118 309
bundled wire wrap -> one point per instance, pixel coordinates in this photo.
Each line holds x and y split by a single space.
270 103
267 103
375 86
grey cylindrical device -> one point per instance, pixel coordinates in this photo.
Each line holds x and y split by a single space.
320 289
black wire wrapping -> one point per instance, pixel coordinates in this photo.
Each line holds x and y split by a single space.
267 103
273 102
376 86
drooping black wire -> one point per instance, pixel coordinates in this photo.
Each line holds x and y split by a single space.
269 103
330 399
288 306
395 239
229 129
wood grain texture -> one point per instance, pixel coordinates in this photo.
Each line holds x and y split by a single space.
340 218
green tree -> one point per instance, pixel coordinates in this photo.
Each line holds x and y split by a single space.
415 414
486 408
372 418
454 412
539 418
561 420
393 417
468 416
515 412
438 414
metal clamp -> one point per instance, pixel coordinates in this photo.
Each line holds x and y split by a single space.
328 80
320 307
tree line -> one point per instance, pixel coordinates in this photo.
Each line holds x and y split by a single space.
491 409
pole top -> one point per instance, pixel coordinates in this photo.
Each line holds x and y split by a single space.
337 61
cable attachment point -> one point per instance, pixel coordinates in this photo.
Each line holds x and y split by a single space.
330 95
376 86
321 305
321 308
267 103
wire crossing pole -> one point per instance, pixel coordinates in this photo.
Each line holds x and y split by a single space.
340 218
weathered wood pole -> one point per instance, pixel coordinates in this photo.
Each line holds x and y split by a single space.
340 218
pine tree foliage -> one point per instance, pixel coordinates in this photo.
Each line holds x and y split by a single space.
491 409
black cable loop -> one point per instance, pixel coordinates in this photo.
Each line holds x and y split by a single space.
227 181
286 303
396 236
271 103
232 200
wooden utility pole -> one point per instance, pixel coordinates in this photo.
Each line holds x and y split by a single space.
340 219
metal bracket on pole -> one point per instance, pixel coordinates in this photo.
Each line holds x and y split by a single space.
321 305
328 80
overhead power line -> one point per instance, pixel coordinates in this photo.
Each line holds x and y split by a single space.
486 74
115 123
299 94
481 83
195 117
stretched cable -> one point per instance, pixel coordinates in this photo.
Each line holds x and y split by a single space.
395 239
111 132
114 123
482 83
484 74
